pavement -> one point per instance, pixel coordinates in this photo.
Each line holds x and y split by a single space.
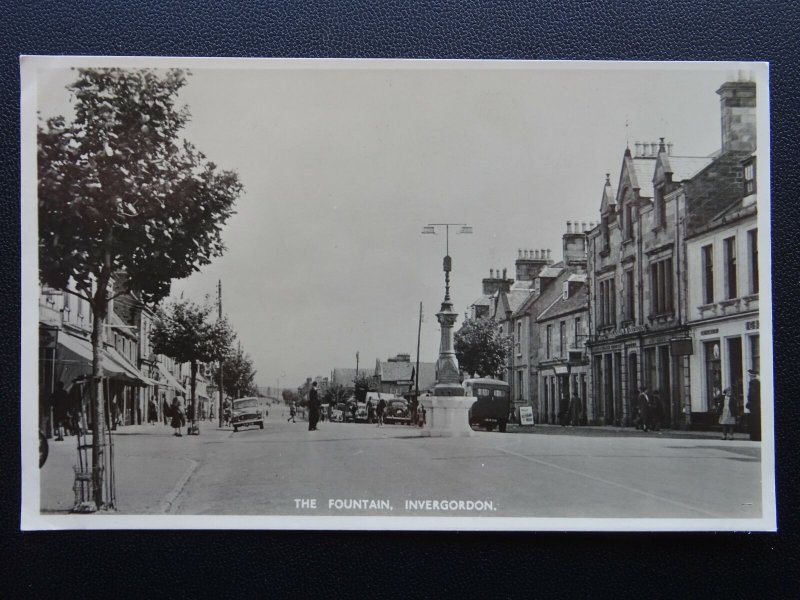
359 469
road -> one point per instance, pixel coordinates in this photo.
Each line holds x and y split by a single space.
359 469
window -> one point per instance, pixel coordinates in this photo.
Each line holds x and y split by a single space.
661 287
660 206
750 178
501 393
707 257
549 346
729 247
562 338
517 342
576 339
755 353
630 296
713 374
604 231
605 299
752 252
629 221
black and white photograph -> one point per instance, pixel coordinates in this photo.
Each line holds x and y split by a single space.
367 294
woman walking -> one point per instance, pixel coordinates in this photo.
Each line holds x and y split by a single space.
178 418
380 410
727 418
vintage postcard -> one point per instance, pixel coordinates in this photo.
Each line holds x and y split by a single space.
395 294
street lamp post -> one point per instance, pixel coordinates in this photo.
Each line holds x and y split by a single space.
448 380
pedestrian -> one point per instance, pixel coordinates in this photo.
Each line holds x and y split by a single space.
379 410
370 411
190 413
292 412
754 405
178 417
654 411
575 409
563 409
644 408
313 407
727 415
152 411
58 401
353 410
165 408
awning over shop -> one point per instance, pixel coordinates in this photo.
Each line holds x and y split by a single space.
74 359
131 372
168 380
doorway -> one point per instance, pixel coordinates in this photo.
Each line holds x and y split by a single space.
735 371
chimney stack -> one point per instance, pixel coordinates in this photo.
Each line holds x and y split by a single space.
738 115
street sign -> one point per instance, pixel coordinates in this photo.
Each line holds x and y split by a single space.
526 415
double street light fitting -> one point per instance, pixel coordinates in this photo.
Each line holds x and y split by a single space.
430 229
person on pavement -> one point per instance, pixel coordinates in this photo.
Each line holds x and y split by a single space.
313 407
152 412
654 411
178 417
644 408
370 411
575 409
727 415
379 410
754 405
292 412
59 401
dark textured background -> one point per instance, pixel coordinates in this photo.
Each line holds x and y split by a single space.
193 564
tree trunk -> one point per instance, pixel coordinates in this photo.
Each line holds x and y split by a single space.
193 427
99 308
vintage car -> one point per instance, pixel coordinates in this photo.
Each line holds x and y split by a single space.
492 403
248 412
397 411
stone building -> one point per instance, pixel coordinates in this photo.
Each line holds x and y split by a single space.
639 270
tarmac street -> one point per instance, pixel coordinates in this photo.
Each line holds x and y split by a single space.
359 469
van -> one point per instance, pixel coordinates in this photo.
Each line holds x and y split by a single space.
492 405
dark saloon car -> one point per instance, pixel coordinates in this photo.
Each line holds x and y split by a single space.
397 411
248 412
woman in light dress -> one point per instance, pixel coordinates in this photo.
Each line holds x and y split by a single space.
727 418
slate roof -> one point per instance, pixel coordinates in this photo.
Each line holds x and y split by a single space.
577 300
643 169
346 377
686 167
399 371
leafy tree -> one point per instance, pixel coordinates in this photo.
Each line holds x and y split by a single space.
237 375
288 396
120 191
182 330
480 347
336 393
363 383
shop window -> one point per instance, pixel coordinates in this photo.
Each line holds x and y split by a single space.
755 353
713 371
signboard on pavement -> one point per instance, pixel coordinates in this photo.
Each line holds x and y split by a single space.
526 415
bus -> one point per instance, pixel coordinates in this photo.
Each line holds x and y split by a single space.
493 404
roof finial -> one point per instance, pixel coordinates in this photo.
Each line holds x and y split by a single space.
627 132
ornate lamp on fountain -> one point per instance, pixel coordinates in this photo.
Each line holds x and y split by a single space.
448 408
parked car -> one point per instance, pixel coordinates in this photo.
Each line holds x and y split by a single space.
248 412
397 411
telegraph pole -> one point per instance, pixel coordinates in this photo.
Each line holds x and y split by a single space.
221 358
416 371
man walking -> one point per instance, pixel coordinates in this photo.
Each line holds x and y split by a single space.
379 410
754 405
292 412
313 407
644 408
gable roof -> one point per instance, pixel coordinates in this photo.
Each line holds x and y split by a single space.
609 198
577 300
401 371
346 377
684 167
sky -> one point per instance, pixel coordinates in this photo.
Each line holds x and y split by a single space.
344 162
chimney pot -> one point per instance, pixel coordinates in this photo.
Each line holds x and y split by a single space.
519 255
548 254
504 273
669 148
569 226
491 273
638 147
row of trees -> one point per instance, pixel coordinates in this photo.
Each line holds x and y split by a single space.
121 192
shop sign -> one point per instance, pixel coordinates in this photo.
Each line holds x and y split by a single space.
681 347
709 331
751 325
526 415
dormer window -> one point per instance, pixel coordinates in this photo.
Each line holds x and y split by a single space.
629 221
750 177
